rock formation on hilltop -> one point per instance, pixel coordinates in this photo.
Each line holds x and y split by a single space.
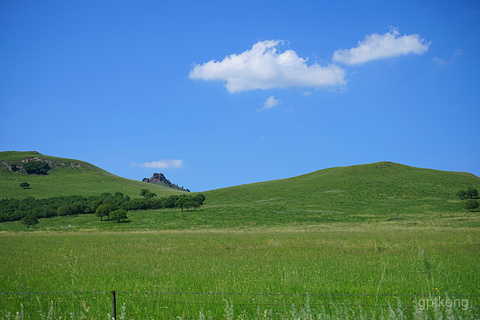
159 178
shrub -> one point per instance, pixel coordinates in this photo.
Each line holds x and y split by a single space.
25 185
471 193
471 204
36 167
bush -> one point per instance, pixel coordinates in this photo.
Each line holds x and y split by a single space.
471 193
25 185
36 167
471 204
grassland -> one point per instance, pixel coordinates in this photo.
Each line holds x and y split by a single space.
362 193
67 177
364 267
368 241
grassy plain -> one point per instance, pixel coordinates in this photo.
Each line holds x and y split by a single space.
364 242
361 266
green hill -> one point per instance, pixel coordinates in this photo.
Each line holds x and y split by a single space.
377 192
370 192
64 177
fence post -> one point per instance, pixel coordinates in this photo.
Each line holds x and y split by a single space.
114 302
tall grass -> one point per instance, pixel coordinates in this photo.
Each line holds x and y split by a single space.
303 312
177 274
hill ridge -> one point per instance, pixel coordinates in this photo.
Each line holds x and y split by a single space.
64 177
376 192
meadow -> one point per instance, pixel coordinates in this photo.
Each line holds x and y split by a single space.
67 177
365 270
375 241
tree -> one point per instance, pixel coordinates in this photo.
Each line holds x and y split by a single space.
170 201
150 195
185 202
181 202
29 220
144 192
103 210
118 215
200 198
194 203
25 185
471 193
64 211
471 204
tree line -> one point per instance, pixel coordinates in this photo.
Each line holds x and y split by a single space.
103 205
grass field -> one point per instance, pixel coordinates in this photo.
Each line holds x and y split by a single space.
364 267
67 177
375 241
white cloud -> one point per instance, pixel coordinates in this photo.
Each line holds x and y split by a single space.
457 53
263 67
269 103
161 164
453 59
381 46
439 61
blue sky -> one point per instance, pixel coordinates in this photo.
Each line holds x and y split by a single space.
221 93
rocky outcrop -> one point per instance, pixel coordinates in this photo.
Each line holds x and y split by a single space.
159 178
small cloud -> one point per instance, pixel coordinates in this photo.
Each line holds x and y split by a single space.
307 93
269 103
458 52
381 46
453 59
439 61
263 67
162 164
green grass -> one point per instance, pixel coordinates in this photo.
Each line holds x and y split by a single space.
362 267
365 241
372 192
381 187
207 218
67 177
382 192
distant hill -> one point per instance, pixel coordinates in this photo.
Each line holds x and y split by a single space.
377 192
52 176
358 192
159 178
382 188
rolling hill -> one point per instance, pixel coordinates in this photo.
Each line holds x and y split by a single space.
65 177
369 192
382 191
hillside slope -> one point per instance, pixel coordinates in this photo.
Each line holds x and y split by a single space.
384 192
359 192
65 177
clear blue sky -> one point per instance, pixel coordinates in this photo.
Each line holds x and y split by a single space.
221 93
